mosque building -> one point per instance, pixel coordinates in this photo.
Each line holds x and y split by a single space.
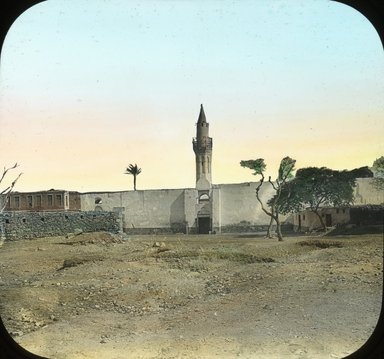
207 208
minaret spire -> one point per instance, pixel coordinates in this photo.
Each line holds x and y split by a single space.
201 115
202 146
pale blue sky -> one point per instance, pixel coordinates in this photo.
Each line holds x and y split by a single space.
88 87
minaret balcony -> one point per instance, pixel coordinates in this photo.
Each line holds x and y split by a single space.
202 144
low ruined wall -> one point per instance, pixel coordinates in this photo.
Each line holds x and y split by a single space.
28 225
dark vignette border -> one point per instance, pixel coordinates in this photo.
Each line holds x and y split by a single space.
373 10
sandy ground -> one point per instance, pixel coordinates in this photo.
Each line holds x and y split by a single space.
220 296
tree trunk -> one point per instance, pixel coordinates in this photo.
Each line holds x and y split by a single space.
278 229
272 214
134 182
321 219
269 234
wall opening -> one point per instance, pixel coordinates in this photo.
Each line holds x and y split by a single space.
204 225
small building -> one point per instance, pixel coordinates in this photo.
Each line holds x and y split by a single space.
51 200
360 215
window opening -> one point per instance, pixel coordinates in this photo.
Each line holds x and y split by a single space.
58 200
204 197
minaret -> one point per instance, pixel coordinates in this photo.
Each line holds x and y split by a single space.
202 146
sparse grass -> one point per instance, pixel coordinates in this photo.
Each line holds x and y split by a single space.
322 244
243 257
222 253
358 230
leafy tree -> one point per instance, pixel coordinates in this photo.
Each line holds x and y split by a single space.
362 172
5 193
378 169
272 208
314 188
133 170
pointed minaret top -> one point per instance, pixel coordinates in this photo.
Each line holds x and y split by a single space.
202 118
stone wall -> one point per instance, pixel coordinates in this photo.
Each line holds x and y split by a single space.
28 225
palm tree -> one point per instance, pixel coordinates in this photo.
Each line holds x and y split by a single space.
134 171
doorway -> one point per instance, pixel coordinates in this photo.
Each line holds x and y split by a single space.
204 225
328 220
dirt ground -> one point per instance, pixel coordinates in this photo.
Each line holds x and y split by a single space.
216 296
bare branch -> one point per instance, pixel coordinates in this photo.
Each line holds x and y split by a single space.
273 185
7 191
6 170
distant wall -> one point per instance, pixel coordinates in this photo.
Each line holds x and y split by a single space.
149 211
366 193
367 215
27 225
52 200
361 215
236 208
307 220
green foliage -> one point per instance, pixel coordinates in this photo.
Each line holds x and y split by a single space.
285 173
362 172
378 166
314 187
258 165
133 170
378 169
289 200
287 166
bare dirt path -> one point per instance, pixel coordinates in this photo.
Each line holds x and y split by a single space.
220 296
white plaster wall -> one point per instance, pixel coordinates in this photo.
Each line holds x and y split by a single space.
109 200
238 203
231 204
142 209
190 200
216 208
309 219
366 193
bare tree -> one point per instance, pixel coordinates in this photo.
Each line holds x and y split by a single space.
285 173
5 193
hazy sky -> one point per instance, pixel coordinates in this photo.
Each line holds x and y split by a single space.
88 87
